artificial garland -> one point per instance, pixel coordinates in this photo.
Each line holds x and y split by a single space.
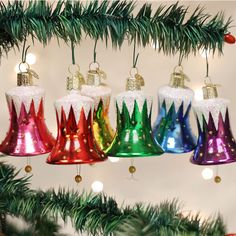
116 20
95 214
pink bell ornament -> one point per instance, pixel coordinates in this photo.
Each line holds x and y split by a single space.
216 144
28 134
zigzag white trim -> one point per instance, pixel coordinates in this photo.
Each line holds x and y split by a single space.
177 96
214 106
77 102
129 98
24 95
98 93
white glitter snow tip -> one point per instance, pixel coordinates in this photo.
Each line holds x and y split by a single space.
129 97
176 96
77 101
98 93
214 106
25 95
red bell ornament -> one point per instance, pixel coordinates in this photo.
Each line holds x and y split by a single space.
75 142
28 134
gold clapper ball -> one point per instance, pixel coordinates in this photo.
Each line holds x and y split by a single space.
78 178
217 179
132 169
28 169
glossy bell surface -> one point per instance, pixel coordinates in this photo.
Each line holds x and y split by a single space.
103 131
27 134
133 136
172 128
75 143
216 144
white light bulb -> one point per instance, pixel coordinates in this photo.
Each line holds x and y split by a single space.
207 173
30 58
204 53
198 94
97 186
154 44
113 159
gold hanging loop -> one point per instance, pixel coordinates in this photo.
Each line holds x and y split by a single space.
21 64
135 81
25 76
134 74
73 69
133 71
95 74
94 65
76 79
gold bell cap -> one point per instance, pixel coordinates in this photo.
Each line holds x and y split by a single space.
210 90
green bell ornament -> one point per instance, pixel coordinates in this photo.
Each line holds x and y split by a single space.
133 136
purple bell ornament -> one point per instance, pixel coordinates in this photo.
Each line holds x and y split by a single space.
216 144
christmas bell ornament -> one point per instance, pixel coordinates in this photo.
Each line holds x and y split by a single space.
101 94
133 136
216 144
28 134
75 143
172 128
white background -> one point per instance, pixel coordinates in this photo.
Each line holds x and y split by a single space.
158 178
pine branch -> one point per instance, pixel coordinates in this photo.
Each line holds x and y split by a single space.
98 214
42 20
40 228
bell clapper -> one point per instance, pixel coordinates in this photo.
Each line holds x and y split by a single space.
28 167
217 178
132 169
78 177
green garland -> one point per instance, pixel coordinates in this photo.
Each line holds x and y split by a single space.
113 20
96 214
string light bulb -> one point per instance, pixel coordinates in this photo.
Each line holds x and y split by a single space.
198 94
97 186
30 58
113 159
207 173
